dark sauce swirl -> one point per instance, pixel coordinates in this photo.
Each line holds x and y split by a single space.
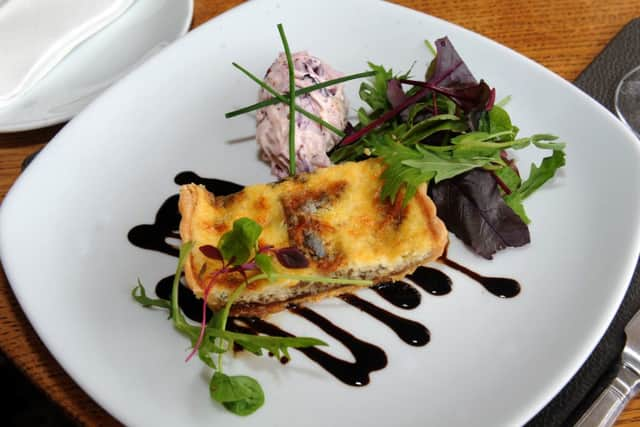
409 331
400 294
219 187
499 286
167 222
154 236
368 357
431 280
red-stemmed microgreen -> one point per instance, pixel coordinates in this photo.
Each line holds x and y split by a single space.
237 252
203 324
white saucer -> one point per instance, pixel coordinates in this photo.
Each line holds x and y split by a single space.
147 27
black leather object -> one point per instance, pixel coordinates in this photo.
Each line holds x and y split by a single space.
600 80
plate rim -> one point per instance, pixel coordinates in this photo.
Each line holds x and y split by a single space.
595 335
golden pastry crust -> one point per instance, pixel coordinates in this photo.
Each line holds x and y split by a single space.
334 216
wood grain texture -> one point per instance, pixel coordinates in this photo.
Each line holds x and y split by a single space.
563 35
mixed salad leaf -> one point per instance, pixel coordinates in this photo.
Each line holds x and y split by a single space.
447 131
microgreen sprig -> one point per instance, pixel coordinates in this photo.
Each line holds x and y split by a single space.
239 253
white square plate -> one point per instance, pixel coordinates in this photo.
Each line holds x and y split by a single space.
491 361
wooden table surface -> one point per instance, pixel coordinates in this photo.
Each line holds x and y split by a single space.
563 35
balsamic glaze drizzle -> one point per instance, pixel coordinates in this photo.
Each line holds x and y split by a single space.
154 236
431 280
499 286
368 357
409 331
219 187
400 294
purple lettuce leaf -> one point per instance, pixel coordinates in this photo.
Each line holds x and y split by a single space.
450 76
448 69
395 94
472 208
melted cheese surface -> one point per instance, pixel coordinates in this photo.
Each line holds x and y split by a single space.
334 215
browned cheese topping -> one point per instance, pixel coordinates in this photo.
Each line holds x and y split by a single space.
334 215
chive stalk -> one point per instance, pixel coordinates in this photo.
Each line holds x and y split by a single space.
299 92
285 99
292 103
